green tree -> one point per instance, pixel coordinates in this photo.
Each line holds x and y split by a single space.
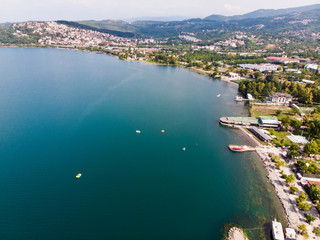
311 148
296 124
293 153
208 67
304 206
316 231
318 207
309 218
257 74
290 179
303 228
294 146
294 190
278 112
314 192
315 128
302 197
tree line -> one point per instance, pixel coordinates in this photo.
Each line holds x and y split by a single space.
261 88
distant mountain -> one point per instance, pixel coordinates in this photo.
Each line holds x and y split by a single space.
6 24
263 13
103 30
306 19
157 19
114 25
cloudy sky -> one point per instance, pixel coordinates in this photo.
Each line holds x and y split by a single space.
23 10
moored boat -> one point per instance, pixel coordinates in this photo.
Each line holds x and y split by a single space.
238 99
239 148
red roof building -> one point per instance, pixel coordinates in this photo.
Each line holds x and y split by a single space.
281 60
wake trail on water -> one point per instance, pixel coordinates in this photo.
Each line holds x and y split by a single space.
93 105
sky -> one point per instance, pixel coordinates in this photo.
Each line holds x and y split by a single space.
26 10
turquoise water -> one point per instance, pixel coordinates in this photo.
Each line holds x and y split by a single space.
63 112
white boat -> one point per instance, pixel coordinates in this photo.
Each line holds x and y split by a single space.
183 149
162 131
238 99
78 175
138 131
219 95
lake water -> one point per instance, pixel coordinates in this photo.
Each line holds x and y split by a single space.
66 112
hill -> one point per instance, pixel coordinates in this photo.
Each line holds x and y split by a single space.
263 13
114 25
305 19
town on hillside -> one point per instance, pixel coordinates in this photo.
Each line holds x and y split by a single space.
277 76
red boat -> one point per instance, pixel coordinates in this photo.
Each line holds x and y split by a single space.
237 148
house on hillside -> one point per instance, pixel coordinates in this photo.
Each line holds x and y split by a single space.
280 98
311 67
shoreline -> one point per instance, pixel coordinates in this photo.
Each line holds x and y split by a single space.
192 69
236 234
293 215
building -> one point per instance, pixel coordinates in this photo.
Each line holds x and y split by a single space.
311 67
298 139
282 60
268 121
280 98
250 97
277 231
262 121
290 234
307 81
259 133
260 68
290 70
234 76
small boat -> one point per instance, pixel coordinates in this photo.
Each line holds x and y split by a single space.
162 131
238 148
78 175
238 99
138 131
219 95
183 149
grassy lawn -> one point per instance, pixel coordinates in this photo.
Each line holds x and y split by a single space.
281 138
257 111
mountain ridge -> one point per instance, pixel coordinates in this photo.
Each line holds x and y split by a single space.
263 13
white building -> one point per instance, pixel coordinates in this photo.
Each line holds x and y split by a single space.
249 96
290 234
234 76
311 67
280 98
261 68
277 231
307 81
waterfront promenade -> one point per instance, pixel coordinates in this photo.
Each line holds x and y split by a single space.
295 216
